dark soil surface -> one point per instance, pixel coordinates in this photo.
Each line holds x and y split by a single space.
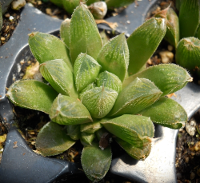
188 147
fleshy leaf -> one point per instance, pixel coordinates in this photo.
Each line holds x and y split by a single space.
57 3
87 138
172 22
73 131
69 111
96 162
52 140
32 94
104 37
59 75
91 1
135 152
99 101
70 5
89 87
118 3
148 36
109 80
138 95
166 112
86 70
178 4
65 32
47 47
188 53
134 129
90 127
85 37
169 78
189 17
114 56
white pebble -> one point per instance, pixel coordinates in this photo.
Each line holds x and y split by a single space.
18 4
191 127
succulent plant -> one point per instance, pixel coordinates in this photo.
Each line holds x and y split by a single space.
183 33
97 7
100 92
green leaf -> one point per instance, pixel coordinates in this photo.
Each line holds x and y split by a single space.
189 17
91 2
32 94
65 32
138 95
52 140
86 70
85 37
111 4
47 47
135 152
166 112
96 162
90 127
168 78
73 131
178 4
87 138
58 3
70 5
69 111
59 75
114 56
89 87
188 53
109 80
148 36
104 37
172 22
134 129
99 101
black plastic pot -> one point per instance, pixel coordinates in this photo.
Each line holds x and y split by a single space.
22 165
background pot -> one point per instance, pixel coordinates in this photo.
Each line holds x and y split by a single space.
21 164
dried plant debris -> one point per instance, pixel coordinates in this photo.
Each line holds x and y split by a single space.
3 135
